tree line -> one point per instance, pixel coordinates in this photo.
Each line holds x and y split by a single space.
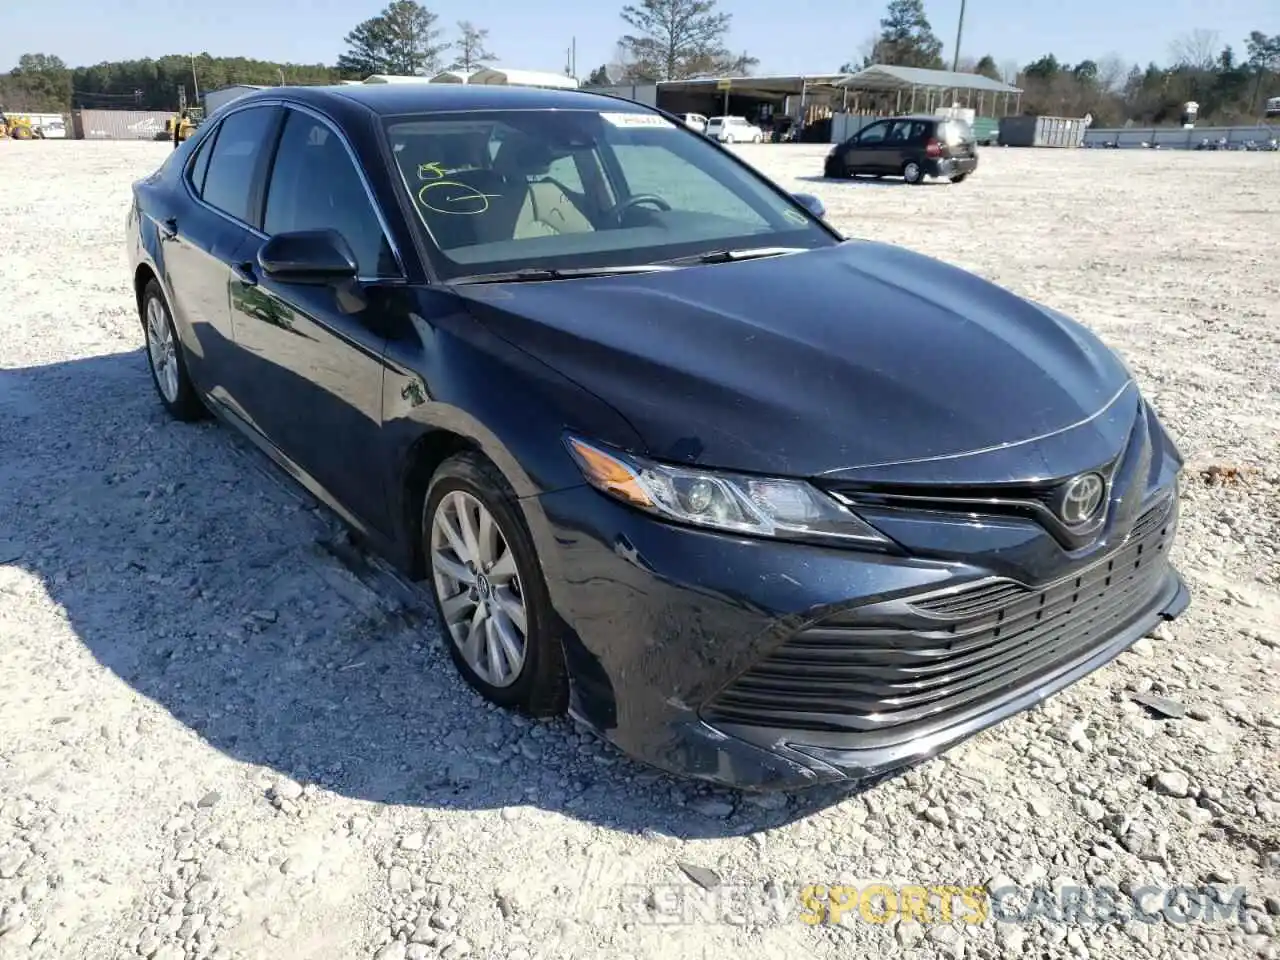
685 39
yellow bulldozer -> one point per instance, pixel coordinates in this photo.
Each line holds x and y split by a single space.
185 122
16 126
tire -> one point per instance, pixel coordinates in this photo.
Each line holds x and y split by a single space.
728 138
21 133
756 138
959 178
540 684
912 172
831 172
165 358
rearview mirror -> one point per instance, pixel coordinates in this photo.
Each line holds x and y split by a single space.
811 203
308 256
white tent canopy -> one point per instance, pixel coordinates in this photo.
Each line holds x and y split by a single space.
489 76
523 78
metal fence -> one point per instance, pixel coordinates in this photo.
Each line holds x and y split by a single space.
1178 138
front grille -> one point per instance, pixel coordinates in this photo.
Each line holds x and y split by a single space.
912 661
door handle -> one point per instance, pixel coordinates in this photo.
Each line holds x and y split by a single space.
244 273
168 228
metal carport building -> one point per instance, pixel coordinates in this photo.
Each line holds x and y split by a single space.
882 88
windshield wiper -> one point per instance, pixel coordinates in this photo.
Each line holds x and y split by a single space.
728 256
534 274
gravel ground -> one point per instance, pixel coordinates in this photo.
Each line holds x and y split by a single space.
220 738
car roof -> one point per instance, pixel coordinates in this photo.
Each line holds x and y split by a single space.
914 116
388 99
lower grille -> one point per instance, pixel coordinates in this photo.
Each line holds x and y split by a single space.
899 663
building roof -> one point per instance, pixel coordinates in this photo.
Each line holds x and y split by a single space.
238 86
392 99
886 77
748 86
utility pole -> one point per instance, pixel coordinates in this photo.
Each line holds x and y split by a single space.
571 59
194 79
955 60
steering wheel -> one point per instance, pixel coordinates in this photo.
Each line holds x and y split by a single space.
620 209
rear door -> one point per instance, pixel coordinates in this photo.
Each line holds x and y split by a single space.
314 353
202 240
898 145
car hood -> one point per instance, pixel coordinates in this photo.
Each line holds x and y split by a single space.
854 356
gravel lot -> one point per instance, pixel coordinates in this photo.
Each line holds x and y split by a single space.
218 738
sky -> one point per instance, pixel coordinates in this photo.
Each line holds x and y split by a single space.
815 36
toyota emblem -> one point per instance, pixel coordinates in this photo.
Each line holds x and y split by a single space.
1081 499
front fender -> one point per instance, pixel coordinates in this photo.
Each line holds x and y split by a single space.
453 376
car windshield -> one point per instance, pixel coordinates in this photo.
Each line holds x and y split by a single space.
565 189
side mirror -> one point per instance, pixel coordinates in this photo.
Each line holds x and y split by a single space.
811 203
308 256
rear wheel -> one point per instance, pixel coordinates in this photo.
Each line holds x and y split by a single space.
164 356
912 172
491 599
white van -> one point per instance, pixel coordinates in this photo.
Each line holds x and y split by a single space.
733 130
695 121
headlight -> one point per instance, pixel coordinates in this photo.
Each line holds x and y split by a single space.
760 506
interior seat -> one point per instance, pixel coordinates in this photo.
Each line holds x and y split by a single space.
547 209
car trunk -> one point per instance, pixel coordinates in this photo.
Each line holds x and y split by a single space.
957 139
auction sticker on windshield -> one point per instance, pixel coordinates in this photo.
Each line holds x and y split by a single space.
637 120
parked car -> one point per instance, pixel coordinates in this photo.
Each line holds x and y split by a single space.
733 130
760 504
909 147
694 121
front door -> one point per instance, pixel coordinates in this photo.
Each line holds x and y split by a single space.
864 153
313 354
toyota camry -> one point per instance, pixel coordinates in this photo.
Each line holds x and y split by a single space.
760 504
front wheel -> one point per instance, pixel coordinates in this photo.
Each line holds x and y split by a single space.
164 356
491 599
912 172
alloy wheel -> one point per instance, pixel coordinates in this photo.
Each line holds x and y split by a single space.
162 350
479 588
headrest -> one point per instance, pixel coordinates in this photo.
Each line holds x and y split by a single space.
521 155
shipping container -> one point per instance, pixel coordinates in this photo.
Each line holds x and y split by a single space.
119 124
1042 131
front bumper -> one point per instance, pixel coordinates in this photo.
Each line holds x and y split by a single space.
765 665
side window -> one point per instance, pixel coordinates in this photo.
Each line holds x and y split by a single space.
228 179
315 186
873 134
919 132
200 165
564 171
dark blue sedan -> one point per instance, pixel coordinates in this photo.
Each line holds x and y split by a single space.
760 504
